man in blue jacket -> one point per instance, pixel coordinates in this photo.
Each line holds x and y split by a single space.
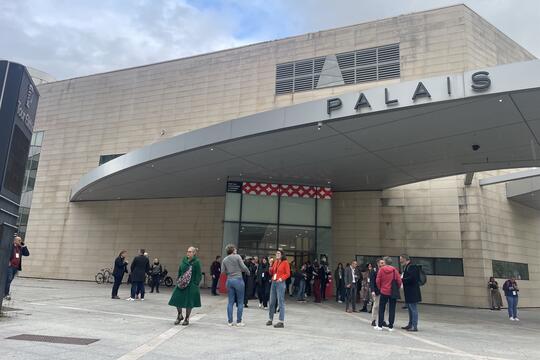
15 263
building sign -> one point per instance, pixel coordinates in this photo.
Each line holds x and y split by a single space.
286 190
234 187
26 111
479 81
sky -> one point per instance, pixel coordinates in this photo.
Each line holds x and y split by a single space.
69 38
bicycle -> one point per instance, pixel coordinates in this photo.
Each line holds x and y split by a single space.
104 276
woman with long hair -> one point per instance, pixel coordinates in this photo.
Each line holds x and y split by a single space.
186 294
280 272
263 283
120 268
339 279
495 299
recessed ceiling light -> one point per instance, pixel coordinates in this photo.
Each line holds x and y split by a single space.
211 149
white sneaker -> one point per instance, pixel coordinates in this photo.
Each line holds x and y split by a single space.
130 299
516 319
231 324
512 319
240 324
378 328
340 302
266 308
142 299
260 306
391 329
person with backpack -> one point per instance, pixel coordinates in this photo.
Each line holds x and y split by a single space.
186 293
412 279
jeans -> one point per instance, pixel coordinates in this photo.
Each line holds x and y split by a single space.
11 272
350 297
137 287
116 285
301 290
215 282
235 290
413 315
384 299
277 294
512 306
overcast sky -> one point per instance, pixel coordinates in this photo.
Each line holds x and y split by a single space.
68 38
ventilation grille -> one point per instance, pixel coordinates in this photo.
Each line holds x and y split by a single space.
302 75
370 64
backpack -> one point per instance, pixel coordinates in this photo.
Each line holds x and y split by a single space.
183 281
422 278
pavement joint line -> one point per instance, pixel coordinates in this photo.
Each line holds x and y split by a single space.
113 313
452 351
153 343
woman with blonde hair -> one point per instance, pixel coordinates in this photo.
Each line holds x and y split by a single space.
186 294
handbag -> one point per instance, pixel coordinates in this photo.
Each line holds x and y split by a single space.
183 281
395 289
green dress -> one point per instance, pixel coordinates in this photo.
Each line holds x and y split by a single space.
189 297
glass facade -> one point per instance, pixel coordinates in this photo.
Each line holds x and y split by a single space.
29 180
506 269
431 266
259 224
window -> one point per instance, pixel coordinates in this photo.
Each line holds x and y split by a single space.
505 270
301 75
106 158
15 168
431 266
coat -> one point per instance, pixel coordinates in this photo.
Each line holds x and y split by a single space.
23 251
411 287
139 268
385 276
349 272
189 297
120 267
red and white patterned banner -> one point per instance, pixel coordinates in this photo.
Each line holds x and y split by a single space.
302 191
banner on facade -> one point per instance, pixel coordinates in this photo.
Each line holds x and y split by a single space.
286 190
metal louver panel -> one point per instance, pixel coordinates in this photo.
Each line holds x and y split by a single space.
388 53
389 71
284 70
319 63
284 86
303 83
303 67
345 60
366 74
366 57
348 76
316 80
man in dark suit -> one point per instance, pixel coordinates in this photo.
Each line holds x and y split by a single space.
139 268
351 281
215 270
120 268
411 289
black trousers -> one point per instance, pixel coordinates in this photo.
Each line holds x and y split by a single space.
385 299
215 281
263 292
116 285
155 283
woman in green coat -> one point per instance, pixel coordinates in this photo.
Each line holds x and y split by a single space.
190 296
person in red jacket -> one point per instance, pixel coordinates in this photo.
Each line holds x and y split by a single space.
280 271
386 275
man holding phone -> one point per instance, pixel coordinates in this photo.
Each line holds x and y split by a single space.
15 263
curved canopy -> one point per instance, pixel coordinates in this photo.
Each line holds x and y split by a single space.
384 137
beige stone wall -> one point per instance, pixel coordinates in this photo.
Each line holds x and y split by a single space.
120 111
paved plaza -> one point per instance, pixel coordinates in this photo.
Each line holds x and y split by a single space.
145 330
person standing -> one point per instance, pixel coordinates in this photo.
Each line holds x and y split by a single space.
309 282
18 250
139 268
365 293
215 270
375 293
511 289
323 278
411 289
495 299
280 272
339 279
302 278
186 293
351 282
253 269
263 283
316 281
234 267
389 283
155 272
120 268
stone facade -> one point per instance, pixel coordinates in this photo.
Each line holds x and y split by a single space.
120 111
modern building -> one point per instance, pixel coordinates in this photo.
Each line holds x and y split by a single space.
367 140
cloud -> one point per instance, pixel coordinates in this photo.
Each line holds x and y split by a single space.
69 38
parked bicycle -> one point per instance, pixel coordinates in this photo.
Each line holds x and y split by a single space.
104 276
